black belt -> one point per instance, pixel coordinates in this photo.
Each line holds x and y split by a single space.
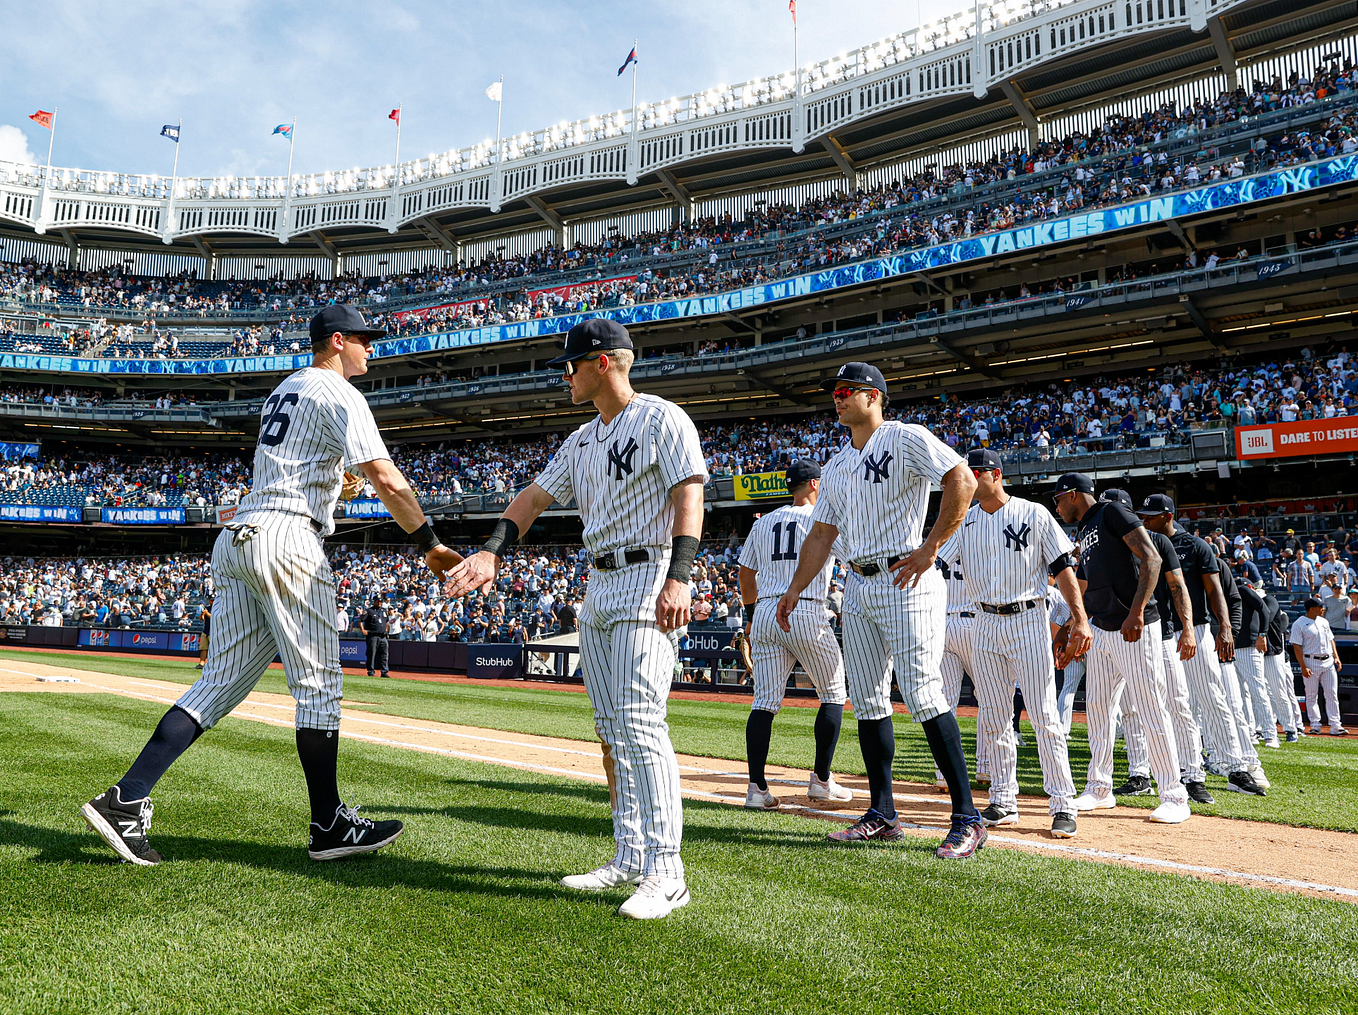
1319 659
872 568
1009 609
963 613
609 561
800 599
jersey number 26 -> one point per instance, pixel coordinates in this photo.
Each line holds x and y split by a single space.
274 426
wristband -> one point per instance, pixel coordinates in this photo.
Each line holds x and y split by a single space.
505 533
683 550
749 611
424 537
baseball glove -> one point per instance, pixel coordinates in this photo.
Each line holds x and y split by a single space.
352 486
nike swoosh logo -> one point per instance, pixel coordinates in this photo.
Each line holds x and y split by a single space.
584 444
965 524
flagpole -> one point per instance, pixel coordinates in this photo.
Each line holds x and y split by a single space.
393 212
634 88
398 137
798 130
283 226
499 147
41 225
632 149
52 136
174 180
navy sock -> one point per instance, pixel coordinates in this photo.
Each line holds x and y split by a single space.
174 734
1018 708
319 751
758 732
828 721
877 737
945 742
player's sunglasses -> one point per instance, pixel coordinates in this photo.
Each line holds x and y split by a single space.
364 340
570 367
844 392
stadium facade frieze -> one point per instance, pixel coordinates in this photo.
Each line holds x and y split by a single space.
1083 226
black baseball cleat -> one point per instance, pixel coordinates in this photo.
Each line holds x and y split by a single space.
1063 825
1243 782
1197 792
123 826
349 835
1136 785
997 815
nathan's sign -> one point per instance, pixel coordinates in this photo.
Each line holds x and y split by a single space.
760 486
1302 437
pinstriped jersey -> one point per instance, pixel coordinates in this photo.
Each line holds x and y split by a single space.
1005 555
312 426
877 496
772 548
949 562
620 474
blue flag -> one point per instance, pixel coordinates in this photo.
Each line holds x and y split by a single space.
285 129
631 59
171 131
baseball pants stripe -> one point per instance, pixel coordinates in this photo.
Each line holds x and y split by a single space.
884 625
1136 669
1187 737
1017 650
274 595
1249 664
1324 679
775 651
1244 728
1207 688
1282 689
628 667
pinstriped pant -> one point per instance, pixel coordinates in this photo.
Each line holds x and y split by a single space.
628 665
1244 726
1187 736
1216 718
957 640
274 595
884 625
1018 650
775 651
1072 675
1117 667
1282 689
1324 678
1249 666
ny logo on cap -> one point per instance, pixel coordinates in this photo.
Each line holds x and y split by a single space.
1017 541
596 341
875 469
842 369
621 461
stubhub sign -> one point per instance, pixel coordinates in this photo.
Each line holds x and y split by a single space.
495 662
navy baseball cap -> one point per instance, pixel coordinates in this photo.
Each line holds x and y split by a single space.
1074 481
343 318
1312 603
800 472
982 458
1156 504
598 334
863 374
1118 497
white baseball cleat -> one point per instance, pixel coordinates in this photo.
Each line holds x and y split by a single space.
1087 801
827 790
655 897
1171 814
757 799
602 878
1257 770
940 783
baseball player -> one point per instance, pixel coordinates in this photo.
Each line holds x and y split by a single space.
375 630
1009 546
1172 602
274 593
957 648
874 494
768 560
1250 642
636 472
1243 721
1207 600
1317 654
1120 566
205 615
1278 671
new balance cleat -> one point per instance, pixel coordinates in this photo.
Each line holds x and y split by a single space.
827 790
349 835
123 825
1243 782
871 827
757 799
1197 792
964 839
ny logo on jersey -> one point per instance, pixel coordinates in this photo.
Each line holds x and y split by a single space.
621 461
875 469
1017 541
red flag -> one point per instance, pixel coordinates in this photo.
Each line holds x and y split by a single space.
792 6
395 114
42 118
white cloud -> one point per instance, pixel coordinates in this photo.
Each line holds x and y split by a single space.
14 145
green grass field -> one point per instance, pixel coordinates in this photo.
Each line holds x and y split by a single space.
1315 782
463 914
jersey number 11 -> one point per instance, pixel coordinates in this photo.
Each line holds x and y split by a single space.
778 552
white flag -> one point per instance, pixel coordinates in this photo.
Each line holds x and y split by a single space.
495 91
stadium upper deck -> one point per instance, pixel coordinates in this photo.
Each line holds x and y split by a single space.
974 76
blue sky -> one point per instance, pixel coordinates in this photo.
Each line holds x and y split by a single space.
232 69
